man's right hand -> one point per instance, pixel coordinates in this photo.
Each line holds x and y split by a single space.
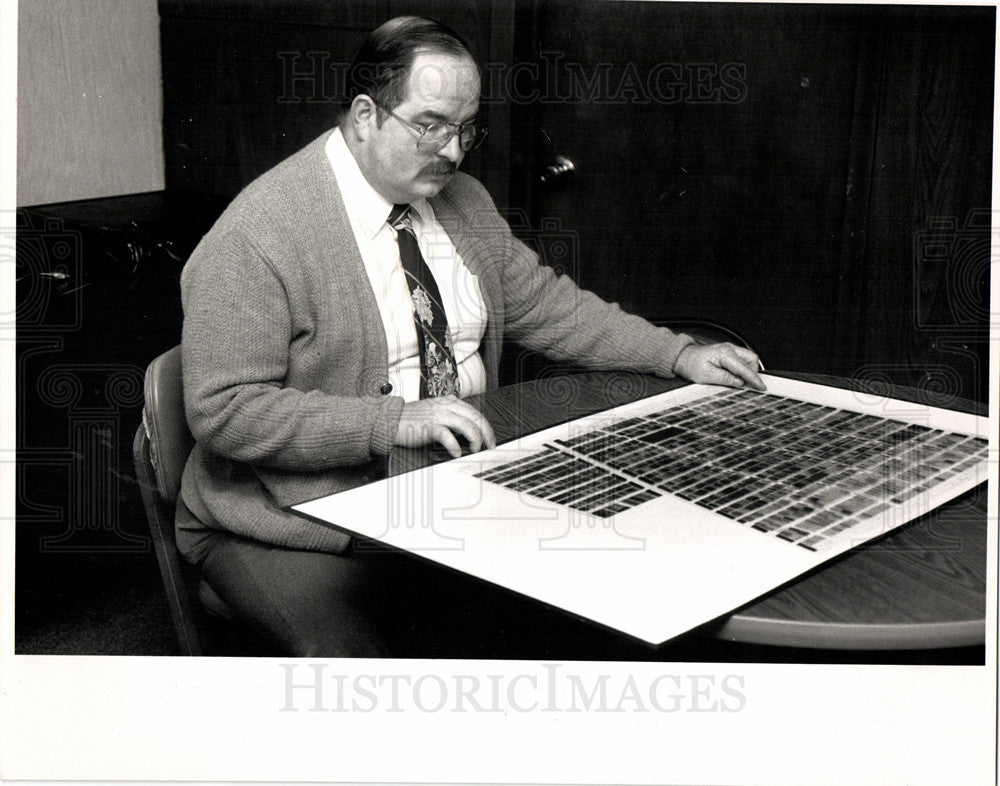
438 420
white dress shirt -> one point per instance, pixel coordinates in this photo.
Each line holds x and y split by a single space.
460 295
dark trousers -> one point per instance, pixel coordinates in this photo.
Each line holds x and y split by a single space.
311 604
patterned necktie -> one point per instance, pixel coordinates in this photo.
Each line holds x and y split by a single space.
438 374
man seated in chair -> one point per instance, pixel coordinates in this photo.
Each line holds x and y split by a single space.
346 303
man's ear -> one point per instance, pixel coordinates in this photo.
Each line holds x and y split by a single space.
361 116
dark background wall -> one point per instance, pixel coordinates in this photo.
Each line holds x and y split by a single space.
816 177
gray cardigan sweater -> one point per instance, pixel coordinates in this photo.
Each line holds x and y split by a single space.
284 354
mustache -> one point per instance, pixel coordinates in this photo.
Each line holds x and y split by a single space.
442 168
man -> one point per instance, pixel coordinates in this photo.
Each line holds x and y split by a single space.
309 348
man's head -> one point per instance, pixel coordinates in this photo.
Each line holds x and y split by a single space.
409 73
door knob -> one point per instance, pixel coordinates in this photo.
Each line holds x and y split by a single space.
559 170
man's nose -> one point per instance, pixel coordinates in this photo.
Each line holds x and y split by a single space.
452 151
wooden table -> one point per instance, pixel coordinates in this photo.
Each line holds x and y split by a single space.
922 586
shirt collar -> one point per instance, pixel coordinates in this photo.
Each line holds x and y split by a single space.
368 206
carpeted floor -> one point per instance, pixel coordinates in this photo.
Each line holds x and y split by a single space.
97 607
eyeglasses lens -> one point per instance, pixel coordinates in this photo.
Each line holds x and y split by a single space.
436 137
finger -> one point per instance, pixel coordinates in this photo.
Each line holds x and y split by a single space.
742 370
747 355
483 430
723 377
753 362
489 438
466 422
468 429
443 436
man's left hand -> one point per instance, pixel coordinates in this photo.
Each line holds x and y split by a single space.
719 364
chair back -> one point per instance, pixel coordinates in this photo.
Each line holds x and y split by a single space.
170 440
162 444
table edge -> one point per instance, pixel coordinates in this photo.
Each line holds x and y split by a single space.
853 636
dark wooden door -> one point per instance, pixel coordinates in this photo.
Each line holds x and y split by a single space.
759 165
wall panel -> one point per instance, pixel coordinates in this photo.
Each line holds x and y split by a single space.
89 107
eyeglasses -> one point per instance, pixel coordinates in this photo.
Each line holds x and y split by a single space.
434 136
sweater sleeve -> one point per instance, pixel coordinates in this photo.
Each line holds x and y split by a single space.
235 354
